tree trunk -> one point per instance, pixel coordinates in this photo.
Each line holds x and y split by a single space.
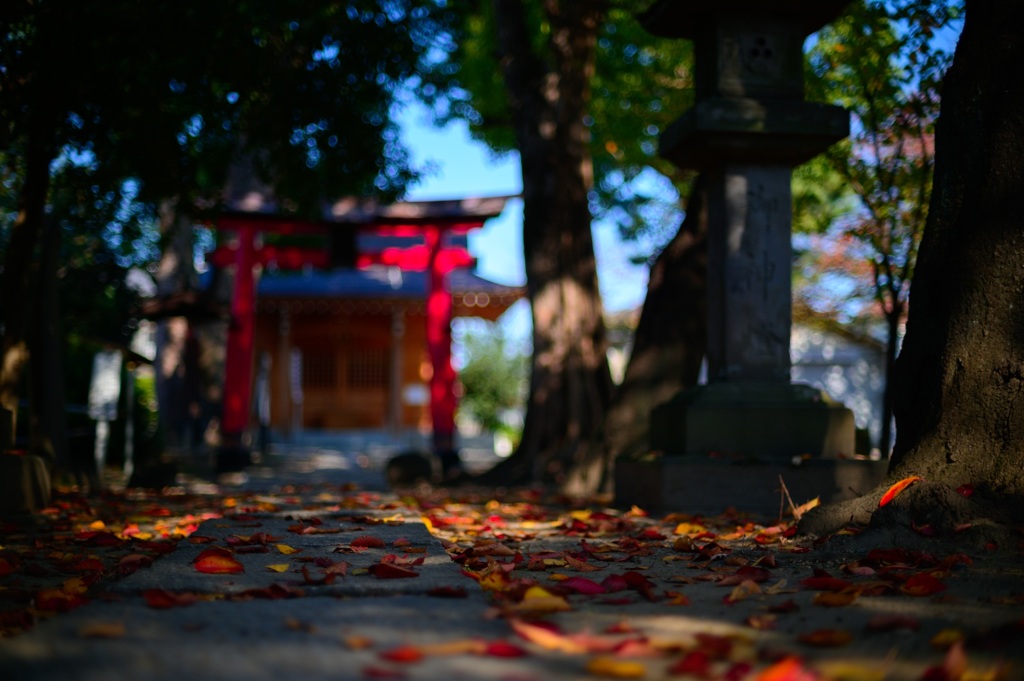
959 379
15 290
960 375
48 420
571 383
671 337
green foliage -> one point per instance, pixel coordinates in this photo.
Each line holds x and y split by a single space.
884 61
493 378
641 84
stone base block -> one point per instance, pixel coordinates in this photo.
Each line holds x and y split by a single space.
24 483
752 421
710 486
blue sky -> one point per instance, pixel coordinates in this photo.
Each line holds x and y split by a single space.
466 168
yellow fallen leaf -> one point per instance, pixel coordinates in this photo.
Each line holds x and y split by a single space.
946 638
287 550
538 599
279 567
358 642
604 665
546 638
848 671
102 630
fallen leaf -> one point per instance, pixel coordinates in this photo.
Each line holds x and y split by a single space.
218 564
826 638
389 570
367 542
850 671
612 667
162 598
286 550
537 599
403 654
279 567
947 638
837 599
896 489
922 584
787 669
546 636
102 630
694 663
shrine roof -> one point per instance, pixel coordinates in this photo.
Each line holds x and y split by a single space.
374 282
260 208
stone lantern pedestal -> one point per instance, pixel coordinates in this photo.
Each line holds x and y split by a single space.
747 130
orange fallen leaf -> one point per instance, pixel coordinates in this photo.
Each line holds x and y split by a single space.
546 636
603 665
787 669
837 599
217 563
896 489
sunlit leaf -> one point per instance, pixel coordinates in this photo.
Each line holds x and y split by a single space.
286 550
896 489
279 567
546 636
216 563
616 668
537 599
787 669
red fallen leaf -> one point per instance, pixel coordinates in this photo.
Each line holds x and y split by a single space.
825 583
583 585
886 623
389 570
896 489
100 538
746 573
312 581
965 490
503 649
737 671
367 542
6 567
132 563
217 564
161 599
922 584
715 647
826 638
694 663
219 551
784 607
158 546
448 592
402 654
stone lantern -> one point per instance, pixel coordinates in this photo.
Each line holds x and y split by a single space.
749 127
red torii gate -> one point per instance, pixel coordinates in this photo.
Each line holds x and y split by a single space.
429 221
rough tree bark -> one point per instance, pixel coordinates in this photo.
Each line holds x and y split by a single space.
959 400
15 284
670 339
549 95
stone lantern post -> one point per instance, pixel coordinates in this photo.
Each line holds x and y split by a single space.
749 127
